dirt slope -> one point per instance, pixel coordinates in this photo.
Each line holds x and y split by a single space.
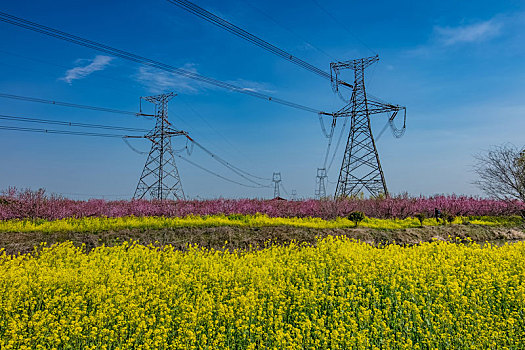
256 237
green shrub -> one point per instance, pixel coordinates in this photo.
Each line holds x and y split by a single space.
356 217
237 217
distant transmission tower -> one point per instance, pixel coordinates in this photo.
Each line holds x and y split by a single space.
276 179
320 188
160 177
293 195
361 168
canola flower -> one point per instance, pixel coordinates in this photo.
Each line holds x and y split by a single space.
98 224
338 294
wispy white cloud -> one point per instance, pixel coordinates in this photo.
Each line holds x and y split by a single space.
100 62
444 38
476 32
158 81
253 86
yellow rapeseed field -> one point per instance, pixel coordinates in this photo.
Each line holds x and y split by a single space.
338 294
97 224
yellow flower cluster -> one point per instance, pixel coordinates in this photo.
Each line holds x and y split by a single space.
97 224
338 294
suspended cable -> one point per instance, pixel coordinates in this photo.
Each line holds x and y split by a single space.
382 131
23 23
343 128
330 138
395 131
67 104
323 128
290 30
240 172
284 189
211 127
125 139
63 132
180 150
215 174
220 22
331 182
232 28
244 174
329 14
59 122
47 72
189 150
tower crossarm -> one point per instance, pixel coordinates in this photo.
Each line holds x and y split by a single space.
359 64
374 107
169 133
352 64
176 133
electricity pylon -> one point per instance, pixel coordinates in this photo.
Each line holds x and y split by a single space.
276 179
160 178
361 168
320 188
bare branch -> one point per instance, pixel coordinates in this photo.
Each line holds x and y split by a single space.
502 172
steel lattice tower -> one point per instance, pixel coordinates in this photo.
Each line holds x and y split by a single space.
361 168
276 179
160 178
320 191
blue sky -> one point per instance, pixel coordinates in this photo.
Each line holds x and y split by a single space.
457 66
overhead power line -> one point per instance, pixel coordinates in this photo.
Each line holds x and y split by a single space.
23 23
24 66
232 28
75 133
343 128
63 132
284 189
67 104
244 174
210 126
65 123
289 30
215 174
329 14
